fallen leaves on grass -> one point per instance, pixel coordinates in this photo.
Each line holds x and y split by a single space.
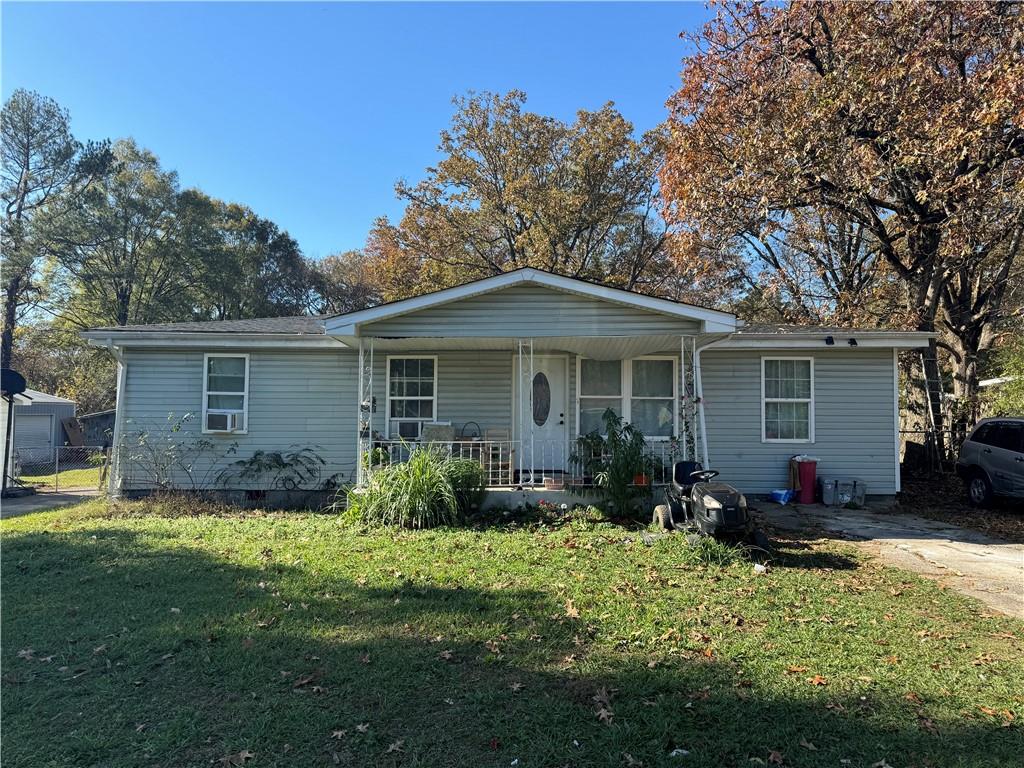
817 680
775 757
306 679
395 746
363 727
339 734
808 745
238 758
570 610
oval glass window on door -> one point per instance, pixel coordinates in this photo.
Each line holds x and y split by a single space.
541 399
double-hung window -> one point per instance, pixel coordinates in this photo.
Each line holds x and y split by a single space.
653 396
600 388
225 393
642 391
787 399
412 395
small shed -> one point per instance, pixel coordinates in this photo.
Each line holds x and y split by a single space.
97 428
38 425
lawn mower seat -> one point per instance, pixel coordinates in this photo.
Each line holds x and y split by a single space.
681 480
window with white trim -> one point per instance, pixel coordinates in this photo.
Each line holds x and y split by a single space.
600 388
787 399
412 395
225 393
643 391
652 396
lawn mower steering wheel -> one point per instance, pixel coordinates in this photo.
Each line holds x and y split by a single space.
703 475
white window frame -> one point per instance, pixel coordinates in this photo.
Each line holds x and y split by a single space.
627 392
207 392
387 384
808 400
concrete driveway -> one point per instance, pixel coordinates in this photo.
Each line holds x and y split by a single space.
41 502
988 569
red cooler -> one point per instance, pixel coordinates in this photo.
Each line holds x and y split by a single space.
808 468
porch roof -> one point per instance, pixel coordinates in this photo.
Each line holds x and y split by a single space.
530 303
596 347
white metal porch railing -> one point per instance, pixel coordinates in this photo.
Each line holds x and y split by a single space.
555 465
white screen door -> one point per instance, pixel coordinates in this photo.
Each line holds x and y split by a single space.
542 424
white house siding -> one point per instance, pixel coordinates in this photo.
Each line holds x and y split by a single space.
305 398
854 418
472 385
529 310
308 398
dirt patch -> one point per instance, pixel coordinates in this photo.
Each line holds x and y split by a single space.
942 498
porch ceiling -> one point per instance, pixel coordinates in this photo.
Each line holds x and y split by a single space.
597 347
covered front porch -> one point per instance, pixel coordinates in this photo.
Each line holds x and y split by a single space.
519 406
513 369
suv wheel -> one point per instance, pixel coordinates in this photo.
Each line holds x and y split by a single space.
979 489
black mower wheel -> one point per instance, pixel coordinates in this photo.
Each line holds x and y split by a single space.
663 517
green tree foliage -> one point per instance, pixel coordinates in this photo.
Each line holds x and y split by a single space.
250 267
41 162
115 251
516 189
344 282
54 358
1007 398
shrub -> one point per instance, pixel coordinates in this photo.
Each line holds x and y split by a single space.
428 490
613 460
467 479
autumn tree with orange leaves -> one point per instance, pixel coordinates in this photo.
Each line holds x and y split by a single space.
515 188
900 123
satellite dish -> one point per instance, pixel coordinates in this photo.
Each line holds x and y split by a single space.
11 382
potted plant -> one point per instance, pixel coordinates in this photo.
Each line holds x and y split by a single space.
617 460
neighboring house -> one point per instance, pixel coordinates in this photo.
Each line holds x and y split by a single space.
38 425
510 370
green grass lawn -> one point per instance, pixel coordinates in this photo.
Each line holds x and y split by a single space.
88 477
136 635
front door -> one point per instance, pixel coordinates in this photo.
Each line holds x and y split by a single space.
542 409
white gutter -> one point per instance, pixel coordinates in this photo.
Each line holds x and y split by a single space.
114 473
698 376
210 340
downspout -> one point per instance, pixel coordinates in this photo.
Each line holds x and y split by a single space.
698 377
113 479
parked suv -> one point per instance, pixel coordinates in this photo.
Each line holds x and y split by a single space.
991 460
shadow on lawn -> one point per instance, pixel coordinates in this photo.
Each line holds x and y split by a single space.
170 657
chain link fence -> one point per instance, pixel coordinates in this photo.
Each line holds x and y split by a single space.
67 468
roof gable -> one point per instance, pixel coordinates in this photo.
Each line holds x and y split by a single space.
529 287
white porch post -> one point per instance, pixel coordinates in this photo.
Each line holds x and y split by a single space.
529 400
359 420
518 418
698 376
369 413
684 423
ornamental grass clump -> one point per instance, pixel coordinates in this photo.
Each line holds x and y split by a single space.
431 489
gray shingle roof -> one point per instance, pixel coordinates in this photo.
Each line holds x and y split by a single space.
303 324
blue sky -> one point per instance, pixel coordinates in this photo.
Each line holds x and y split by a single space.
309 113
